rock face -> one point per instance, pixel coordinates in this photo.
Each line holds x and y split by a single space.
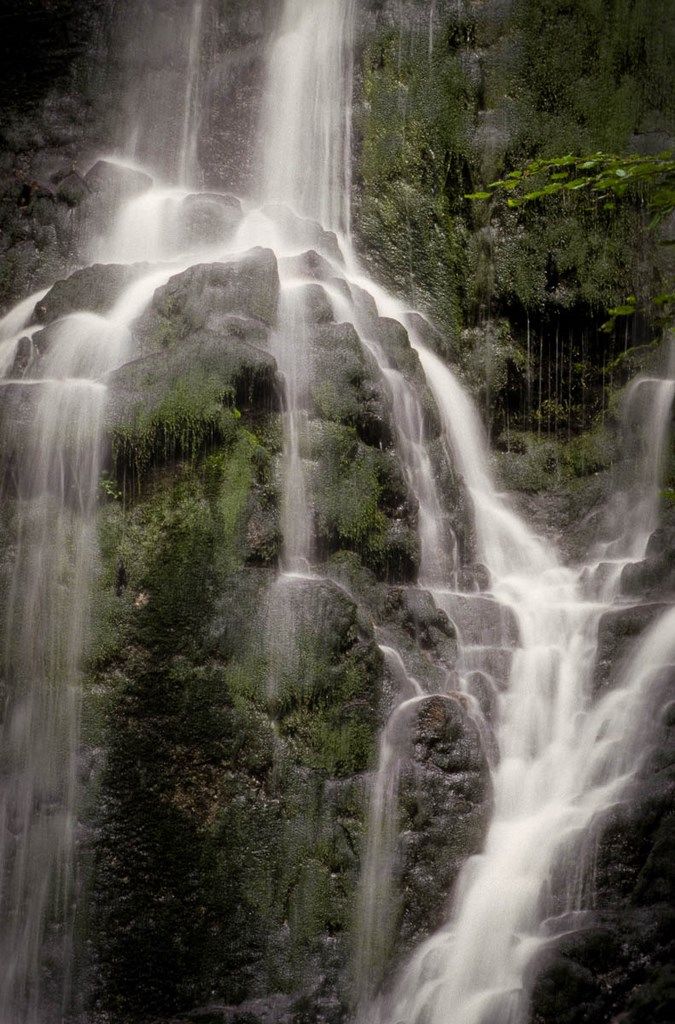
445 804
242 294
617 632
654 577
95 289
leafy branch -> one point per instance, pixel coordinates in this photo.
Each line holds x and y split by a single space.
603 175
606 177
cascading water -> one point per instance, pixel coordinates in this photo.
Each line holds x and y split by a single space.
306 129
545 796
561 760
54 405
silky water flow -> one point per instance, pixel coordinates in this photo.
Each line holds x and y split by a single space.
561 758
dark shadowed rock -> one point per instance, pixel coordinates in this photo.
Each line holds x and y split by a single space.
112 183
617 632
95 289
654 576
210 361
444 805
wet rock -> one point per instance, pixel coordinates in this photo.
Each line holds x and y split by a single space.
344 384
209 218
473 578
210 360
654 576
617 632
308 264
424 622
481 687
209 296
264 539
22 357
302 231
95 289
393 338
395 343
429 335
276 1009
619 967
316 304
111 183
444 806
72 189
348 483
480 620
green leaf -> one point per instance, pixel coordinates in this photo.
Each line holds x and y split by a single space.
478 195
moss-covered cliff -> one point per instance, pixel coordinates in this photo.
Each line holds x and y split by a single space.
450 102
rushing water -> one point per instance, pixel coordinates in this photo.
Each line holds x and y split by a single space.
561 758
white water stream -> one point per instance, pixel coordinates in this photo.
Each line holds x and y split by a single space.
562 760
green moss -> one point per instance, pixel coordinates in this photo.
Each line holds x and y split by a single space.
497 90
355 487
534 463
221 857
197 412
413 144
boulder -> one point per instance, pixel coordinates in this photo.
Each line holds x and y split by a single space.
212 296
394 342
214 360
303 232
72 189
95 289
480 620
112 183
654 576
345 386
208 218
317 307
444 806
617 632
473 578
427 625
307 264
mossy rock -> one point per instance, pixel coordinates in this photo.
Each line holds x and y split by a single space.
162 407
348 485
241 295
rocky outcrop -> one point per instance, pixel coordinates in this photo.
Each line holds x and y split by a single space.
95 289
654 576
444 805
617 632
241 295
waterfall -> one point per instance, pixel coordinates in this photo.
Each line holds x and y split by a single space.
53 410
561 757
305 137
548 733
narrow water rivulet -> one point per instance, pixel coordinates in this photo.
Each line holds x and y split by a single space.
559 754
